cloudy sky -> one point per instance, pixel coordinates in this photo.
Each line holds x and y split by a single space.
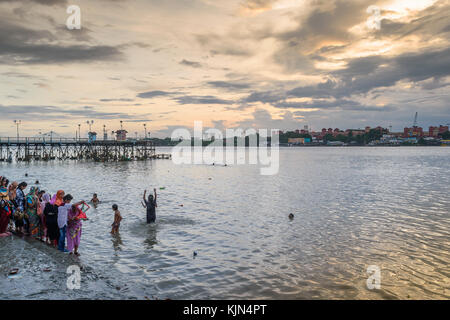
249 63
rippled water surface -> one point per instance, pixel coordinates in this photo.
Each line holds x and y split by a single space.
353 207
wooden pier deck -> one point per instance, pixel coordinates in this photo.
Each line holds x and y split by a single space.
44 149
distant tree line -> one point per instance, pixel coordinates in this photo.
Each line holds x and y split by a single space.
371 135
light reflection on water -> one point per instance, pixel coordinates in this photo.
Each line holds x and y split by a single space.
353 207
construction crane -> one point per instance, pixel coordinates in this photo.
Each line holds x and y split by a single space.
411 130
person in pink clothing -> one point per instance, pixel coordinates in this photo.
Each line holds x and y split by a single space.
74 226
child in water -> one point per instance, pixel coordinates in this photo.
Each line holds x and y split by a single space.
95 201
117 218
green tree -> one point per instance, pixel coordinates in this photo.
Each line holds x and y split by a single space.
422 142
445 135
328 137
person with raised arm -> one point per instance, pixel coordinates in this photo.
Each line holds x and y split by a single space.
151 205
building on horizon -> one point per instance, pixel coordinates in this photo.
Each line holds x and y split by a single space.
299 140
436 131
413 132
121 135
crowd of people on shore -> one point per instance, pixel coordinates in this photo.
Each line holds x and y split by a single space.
50 219
54 220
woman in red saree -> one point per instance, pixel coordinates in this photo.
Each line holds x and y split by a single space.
5 212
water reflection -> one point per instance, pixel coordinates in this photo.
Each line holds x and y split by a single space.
150 239
116 240
353 207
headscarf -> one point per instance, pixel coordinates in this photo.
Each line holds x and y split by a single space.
43 203
33 191
57 199
45 198
4 194
4 198
31 196
12 190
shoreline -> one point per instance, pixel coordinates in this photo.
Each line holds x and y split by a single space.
44 271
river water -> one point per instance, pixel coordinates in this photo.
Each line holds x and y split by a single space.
354 207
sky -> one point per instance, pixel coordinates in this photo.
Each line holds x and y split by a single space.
275 64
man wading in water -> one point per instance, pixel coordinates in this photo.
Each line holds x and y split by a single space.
151 205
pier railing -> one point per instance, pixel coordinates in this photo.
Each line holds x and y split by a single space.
15 140
42 140
49 148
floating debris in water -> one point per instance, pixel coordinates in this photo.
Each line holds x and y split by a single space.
181 205
162 188
13 271
47 270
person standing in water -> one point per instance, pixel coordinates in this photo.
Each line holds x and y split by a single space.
51 220
20 201
151 205
74 228
63 212
117 218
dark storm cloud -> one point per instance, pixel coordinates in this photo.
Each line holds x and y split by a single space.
154 94
432 21
220 45
118 100
327 22
78 35
21 45
322 90
365 74
201 100
184 99
361 76
330 22
297 48
229 85
192 64
230 51
33 113
265 97
342 104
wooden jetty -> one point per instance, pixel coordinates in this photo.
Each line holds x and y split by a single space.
44 149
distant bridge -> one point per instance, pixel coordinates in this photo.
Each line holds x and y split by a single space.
44 149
